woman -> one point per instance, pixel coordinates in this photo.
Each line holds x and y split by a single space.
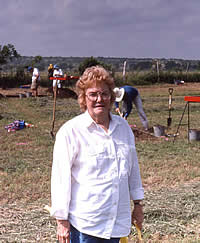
95 169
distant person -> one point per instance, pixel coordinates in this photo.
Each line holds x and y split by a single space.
35 78
128 95
50 71
178 82
57 84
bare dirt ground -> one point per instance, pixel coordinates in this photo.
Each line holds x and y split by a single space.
48 91
14 92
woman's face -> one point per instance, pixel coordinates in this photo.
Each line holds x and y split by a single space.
98 100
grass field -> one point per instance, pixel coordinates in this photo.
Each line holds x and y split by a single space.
169 168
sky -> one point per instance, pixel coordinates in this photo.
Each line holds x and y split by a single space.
102 28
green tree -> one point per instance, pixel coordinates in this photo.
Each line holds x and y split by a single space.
37 59
7 52
89 62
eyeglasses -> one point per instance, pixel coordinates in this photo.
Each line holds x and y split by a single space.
93 96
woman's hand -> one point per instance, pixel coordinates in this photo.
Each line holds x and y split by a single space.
63 231
138 215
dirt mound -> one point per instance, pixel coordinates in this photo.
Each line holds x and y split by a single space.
64 93
143 135
2 96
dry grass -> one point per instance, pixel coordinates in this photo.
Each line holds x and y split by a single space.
170 171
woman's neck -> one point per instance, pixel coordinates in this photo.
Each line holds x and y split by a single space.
103 122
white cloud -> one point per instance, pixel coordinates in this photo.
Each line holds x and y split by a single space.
140 28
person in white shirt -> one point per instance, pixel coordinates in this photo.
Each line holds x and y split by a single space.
95 170
57 84
35 79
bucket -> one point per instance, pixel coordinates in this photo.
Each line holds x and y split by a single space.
194 135
21 96
159 130
28 94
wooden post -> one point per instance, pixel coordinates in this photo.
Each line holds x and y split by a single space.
124 71
158 71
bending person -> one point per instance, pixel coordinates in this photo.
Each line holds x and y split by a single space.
128 95
95 171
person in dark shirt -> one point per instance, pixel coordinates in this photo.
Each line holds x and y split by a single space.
128 95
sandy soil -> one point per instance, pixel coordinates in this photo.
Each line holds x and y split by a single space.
15 92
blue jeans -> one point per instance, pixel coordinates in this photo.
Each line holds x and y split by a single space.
78 237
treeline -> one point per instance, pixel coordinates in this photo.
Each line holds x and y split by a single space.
15 79
136 71
148 78
71 64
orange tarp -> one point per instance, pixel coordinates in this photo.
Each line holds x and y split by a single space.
192 98
64 78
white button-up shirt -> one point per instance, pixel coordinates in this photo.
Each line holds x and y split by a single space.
35 74
57 73
94 176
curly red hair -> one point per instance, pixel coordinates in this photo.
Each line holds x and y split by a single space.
93 74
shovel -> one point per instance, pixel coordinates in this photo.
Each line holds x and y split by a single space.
169 119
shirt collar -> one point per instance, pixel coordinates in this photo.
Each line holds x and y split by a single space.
89 121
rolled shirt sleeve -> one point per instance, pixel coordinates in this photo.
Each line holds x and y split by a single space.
135 183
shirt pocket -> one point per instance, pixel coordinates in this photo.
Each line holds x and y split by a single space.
95 151
94 156
103 161
124 156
